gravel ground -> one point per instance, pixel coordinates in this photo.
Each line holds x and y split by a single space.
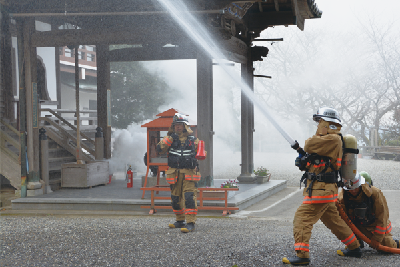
147 241
384 173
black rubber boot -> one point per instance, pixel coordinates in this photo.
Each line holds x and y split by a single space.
189 228
361 243
296 260
177 224
350 253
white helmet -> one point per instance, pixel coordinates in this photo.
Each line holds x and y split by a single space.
327 114
178 117
354 183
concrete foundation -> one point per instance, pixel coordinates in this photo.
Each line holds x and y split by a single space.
117 197
34 192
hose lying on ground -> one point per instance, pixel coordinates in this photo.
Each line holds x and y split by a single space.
361 235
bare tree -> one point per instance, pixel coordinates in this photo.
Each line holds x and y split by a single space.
356 72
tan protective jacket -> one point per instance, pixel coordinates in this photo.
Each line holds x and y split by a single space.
382 224
329 145
172 173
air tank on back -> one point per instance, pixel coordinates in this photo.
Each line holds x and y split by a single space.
349 161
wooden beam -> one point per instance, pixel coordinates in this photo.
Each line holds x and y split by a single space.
59 38
234 50
152 53
266 19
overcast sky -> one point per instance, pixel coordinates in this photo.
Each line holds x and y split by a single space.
342 14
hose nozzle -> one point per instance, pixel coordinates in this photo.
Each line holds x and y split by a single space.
297 147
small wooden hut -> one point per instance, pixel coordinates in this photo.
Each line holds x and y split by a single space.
156 130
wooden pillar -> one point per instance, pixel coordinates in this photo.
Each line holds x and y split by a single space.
44 160
6 66
99 144
32 109
35 111
250 82
103 96
28 86
58 76
247 124
205 115
22 107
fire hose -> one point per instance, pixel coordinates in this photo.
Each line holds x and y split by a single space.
361 235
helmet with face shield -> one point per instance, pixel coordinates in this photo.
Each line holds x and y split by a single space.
180 118
353 183
327 114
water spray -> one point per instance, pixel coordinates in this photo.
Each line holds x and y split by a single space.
202 37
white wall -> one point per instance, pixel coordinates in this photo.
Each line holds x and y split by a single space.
48 56
68 101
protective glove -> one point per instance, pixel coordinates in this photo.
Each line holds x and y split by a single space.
301 162
297 161
374 244
168 140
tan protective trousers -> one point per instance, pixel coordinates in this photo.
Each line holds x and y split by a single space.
387 238
308 214
178 190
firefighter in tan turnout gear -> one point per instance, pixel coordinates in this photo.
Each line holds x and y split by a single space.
182 174
367 208
321 163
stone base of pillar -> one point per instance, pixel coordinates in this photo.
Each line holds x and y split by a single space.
34 192
33 185
246 179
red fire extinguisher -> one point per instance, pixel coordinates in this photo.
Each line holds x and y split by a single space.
129 177
201 153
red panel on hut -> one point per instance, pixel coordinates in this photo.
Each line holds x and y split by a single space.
156 130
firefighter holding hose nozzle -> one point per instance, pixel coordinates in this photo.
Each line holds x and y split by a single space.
366 207
321 161
183 173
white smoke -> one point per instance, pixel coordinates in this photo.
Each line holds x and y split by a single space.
128 148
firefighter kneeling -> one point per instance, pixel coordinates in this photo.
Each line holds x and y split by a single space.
322 163
182 174
367 208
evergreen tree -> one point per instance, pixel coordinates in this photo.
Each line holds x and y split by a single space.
136 93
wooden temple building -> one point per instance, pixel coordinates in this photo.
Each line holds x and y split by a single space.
148 32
